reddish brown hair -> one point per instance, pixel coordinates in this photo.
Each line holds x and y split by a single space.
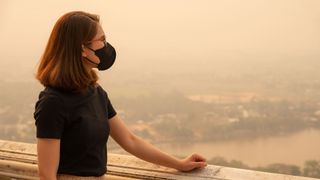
61 65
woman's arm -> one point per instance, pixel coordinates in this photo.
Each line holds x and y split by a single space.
48 158
143 150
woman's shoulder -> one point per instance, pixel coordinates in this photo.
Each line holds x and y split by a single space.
50 93
47 103
101 91
49 97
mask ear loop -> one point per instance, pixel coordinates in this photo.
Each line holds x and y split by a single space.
104 43
91 49
89 59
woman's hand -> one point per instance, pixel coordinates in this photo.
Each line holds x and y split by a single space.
191 162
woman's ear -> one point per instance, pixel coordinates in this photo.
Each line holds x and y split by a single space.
83 52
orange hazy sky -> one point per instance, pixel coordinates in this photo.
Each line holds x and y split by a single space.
179 32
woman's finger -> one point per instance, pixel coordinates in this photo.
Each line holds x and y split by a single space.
198 157
199 164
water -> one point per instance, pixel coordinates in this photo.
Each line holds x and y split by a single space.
291 149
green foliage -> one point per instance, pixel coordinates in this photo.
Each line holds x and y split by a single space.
223 162
281 169
312 168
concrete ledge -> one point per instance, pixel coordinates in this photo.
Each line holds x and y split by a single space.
19 160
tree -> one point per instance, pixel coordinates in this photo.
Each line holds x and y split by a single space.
312 169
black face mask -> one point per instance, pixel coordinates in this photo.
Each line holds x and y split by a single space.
106 54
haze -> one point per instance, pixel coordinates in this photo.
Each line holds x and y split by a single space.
234 78
171 36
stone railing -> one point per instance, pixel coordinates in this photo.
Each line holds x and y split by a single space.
19 161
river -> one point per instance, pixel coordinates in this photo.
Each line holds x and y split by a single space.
290 149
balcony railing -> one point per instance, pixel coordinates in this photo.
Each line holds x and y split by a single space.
19 161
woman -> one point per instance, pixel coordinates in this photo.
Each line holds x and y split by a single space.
74 115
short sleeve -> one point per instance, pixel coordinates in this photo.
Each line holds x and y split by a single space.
111 111
48 117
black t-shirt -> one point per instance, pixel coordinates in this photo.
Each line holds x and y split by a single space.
80 121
